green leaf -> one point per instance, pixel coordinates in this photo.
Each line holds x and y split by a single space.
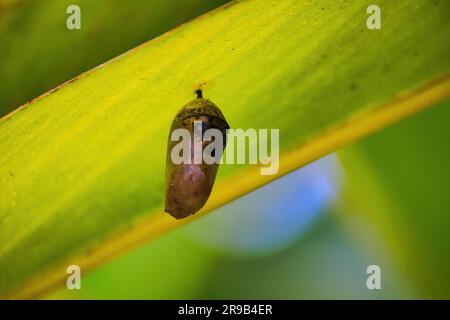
82 168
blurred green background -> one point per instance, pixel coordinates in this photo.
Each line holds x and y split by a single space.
310 234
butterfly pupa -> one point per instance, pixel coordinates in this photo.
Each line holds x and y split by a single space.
188 185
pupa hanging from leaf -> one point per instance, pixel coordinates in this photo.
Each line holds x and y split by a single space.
192 164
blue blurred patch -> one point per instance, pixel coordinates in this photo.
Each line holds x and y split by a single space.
273 216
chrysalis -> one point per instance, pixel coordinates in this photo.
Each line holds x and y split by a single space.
188 185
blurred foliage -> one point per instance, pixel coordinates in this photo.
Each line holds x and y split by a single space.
323 263
399 182
38 52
